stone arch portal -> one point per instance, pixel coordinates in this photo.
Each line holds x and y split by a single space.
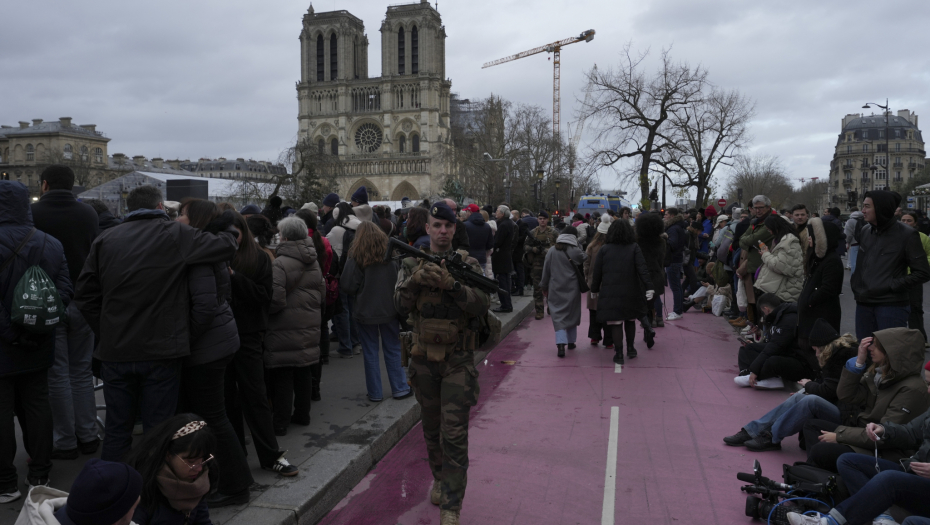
373 193
405 189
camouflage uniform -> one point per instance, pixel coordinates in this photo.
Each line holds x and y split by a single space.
446 389
547 237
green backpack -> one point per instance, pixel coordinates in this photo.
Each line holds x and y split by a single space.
36 306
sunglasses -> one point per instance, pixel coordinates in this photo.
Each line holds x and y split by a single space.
197 463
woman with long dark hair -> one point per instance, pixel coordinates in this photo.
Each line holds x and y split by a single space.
246 395
370 278
214 341
621 298
176 461
263 231
324 256
820 297
415 231
649 237
559 283
594 246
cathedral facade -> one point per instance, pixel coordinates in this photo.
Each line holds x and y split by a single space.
391 132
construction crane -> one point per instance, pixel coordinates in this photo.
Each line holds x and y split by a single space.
555 48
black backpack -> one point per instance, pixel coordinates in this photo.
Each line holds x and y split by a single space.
830 483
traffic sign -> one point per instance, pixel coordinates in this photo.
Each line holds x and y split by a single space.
722 203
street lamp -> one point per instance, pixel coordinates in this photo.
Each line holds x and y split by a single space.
886 110
508 184
539 179
558 184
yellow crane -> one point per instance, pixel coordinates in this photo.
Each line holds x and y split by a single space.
555 48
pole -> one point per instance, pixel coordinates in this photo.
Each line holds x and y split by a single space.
663 191
887 146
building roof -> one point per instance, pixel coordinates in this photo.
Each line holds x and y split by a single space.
53 126
878 121
215 187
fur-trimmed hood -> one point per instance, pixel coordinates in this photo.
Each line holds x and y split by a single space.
672 221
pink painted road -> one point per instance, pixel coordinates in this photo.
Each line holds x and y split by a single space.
540 436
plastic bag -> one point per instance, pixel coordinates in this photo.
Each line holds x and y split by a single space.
720 304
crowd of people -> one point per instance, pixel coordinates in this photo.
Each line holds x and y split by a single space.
201 319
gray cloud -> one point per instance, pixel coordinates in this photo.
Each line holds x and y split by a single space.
211 78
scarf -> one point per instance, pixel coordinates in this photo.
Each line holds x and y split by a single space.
182 495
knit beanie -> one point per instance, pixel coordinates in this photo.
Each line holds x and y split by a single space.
605 224
361 195
331 200
822 333
103 492
710 212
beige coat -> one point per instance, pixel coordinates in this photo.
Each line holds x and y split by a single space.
783 269
295 316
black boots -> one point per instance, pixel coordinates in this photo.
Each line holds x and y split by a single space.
571 346
630 352
685 306
561 348
618 356
649 335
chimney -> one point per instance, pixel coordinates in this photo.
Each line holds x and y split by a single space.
65 122
23 124
36 121
175 164
119 156
138 160
89 127
158 162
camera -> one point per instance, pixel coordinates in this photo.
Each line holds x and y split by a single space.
769 500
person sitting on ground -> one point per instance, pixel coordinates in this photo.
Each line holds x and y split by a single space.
103 493
175 460
765 365
816 400
891 389
708 287
877 485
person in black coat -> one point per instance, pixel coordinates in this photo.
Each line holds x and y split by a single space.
24 357
105 219
649 230
517 257
768 364
70 380
820 298
480 237
621 300
502 257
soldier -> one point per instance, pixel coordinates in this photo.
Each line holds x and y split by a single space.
536 255
446 317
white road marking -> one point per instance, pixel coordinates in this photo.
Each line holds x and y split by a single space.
610 476
617 368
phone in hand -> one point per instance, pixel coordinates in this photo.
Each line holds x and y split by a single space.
742 340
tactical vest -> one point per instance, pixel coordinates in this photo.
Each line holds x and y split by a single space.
441 327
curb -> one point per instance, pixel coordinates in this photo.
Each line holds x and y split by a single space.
330 474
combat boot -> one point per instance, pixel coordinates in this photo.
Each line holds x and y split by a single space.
435 493
540 316
448 517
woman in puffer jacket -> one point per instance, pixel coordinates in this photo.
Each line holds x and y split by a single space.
214 341
782 270
292 343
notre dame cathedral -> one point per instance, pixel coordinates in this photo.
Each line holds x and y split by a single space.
390 132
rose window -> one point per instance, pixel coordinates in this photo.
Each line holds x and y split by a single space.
368 138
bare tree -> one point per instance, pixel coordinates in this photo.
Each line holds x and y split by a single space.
704 136
811 194
630 111
760 175
313 175
79 164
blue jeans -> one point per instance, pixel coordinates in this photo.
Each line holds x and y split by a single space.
71 384
873 493
789 417
390 344
568 335
674 282
153 385
345 326
916 520
853 252
870 319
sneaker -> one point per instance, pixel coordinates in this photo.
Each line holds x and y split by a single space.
346 356
618 358
608 347
762 443
884 519
742 381
282 467
737 439
9 495
594 342
36 482
435 493
650 338
357 349
800 519
771 383
631 353
673 317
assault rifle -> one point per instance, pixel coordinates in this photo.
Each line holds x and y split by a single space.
454 263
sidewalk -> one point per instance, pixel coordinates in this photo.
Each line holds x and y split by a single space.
346 437
541 438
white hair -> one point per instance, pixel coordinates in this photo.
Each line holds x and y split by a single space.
292 229
763 199
504 209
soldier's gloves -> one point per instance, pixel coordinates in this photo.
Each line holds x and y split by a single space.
649 295
444 280
423 278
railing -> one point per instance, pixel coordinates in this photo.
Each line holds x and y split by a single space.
898 164
865 179
847 182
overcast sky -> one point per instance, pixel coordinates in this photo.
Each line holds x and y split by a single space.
182 79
